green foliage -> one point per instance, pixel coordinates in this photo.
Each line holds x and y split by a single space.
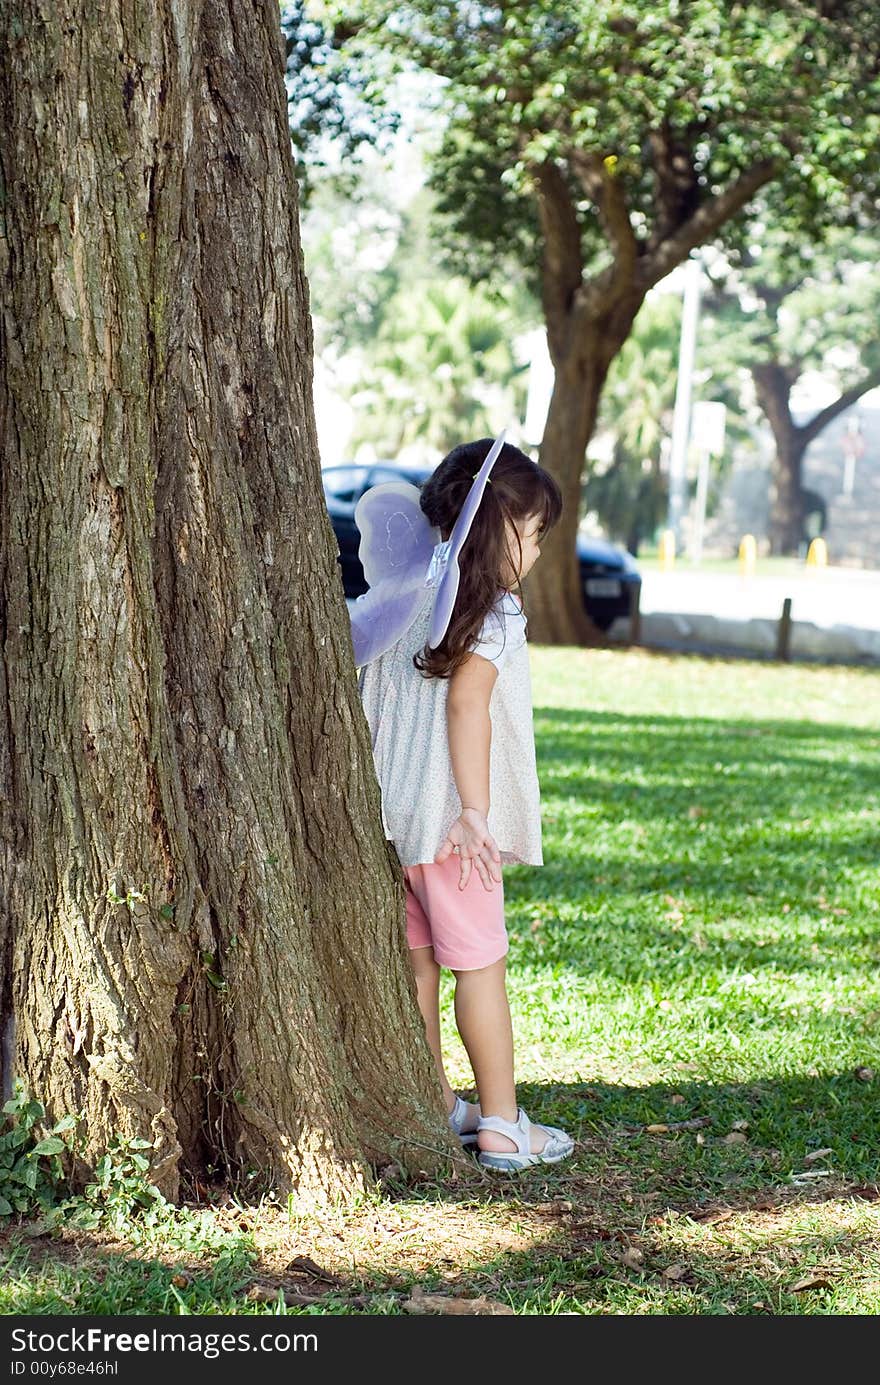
628 490
31 1169
335 108
350 239
33 1177
806 305
121 1189
442 368
673 99
429 358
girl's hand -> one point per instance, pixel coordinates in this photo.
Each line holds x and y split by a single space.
469 838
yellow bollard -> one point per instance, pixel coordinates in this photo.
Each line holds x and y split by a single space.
817 553
666 549
748 552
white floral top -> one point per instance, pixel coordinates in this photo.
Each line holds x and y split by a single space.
406 713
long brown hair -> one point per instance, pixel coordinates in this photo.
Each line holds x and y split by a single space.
517 489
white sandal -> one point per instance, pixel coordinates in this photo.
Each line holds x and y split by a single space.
559 1145
456 1120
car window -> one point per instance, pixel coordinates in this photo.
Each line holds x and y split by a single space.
345 482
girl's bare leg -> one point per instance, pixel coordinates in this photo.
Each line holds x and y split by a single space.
482 1013
427 974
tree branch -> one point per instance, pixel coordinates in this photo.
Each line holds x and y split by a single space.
678 190
605 189
705 221
811 430
563 263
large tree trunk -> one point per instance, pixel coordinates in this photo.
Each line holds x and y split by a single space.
201 935
581 358
554 592
589 319
773 385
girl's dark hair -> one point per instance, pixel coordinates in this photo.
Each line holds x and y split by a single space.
517 489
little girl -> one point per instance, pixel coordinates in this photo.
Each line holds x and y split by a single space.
455 758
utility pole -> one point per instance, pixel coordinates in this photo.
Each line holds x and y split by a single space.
681 417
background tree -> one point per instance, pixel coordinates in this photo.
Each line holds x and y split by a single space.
627 483
782 307
599 145
626 488
201 934
436 358
442 368
337 110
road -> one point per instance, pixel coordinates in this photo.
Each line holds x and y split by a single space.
822 596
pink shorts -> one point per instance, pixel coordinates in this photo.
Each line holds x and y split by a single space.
464 927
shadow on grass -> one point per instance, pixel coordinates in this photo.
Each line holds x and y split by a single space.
654 766
593 1234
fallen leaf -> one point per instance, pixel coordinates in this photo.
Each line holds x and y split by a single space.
675 1272
420 1302
695 1123
865 1074
710 1218
676 1099
304 1265
180 1281
696 810
810 1281
701 1138
736 1137
658 1129
633 1258
817 1154
740 1125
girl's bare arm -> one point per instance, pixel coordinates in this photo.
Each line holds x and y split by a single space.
470 737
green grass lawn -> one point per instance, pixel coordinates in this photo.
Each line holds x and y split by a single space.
699 954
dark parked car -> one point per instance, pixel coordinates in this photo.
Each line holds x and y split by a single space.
608 573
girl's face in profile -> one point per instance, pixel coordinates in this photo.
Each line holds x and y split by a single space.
529 531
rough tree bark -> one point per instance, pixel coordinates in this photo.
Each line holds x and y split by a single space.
773 385
589 318
201 935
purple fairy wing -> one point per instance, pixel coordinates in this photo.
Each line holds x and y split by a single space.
395 533
444 566
396 549
383 615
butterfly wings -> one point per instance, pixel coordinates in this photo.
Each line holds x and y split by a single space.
402 556
396 548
